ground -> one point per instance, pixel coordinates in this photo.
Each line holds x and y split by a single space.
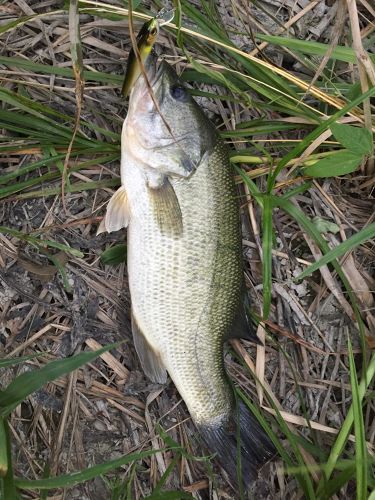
108 408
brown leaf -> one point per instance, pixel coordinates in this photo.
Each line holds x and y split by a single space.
370 342
44 272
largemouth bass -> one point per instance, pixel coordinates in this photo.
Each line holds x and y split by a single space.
179 201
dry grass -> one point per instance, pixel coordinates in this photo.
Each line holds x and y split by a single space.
108 408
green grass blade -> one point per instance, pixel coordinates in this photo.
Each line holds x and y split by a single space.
114 255
297 190
7 485
170 495
39 242
76 187
315 134
24 19
343 435
303 476
27 383
4 363
346 246
267 427
3 449
75 478
15 187
48 114
23 103
345 54
46 69
164 477
259 129
44 162
359 431
312 230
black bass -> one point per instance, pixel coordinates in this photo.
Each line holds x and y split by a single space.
179 201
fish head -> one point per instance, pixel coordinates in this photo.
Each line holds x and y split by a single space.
169 131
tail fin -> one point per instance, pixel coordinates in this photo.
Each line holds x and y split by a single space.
255 446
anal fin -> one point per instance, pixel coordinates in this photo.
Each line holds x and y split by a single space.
166 209
150 360
117 214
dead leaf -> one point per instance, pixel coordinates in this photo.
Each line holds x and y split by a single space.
370 342
44 272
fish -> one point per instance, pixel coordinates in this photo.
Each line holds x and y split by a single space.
179 203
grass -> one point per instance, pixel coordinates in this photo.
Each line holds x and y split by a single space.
298 150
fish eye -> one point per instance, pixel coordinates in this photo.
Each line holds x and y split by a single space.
178 92
153 31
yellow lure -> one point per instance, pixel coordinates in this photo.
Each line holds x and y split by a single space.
145 41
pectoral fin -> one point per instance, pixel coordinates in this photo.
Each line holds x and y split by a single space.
150 360
166 208
117 215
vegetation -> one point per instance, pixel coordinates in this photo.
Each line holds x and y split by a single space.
302 149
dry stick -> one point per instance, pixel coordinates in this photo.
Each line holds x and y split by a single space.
74 223
109 359
76 51
361 54
261 352
69 394
337 30
259 47
238 347
368 7
158 457
287 25
261 349
261 28
366 70
27 451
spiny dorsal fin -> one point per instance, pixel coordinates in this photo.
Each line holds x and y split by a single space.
117 214
150 360
166 209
